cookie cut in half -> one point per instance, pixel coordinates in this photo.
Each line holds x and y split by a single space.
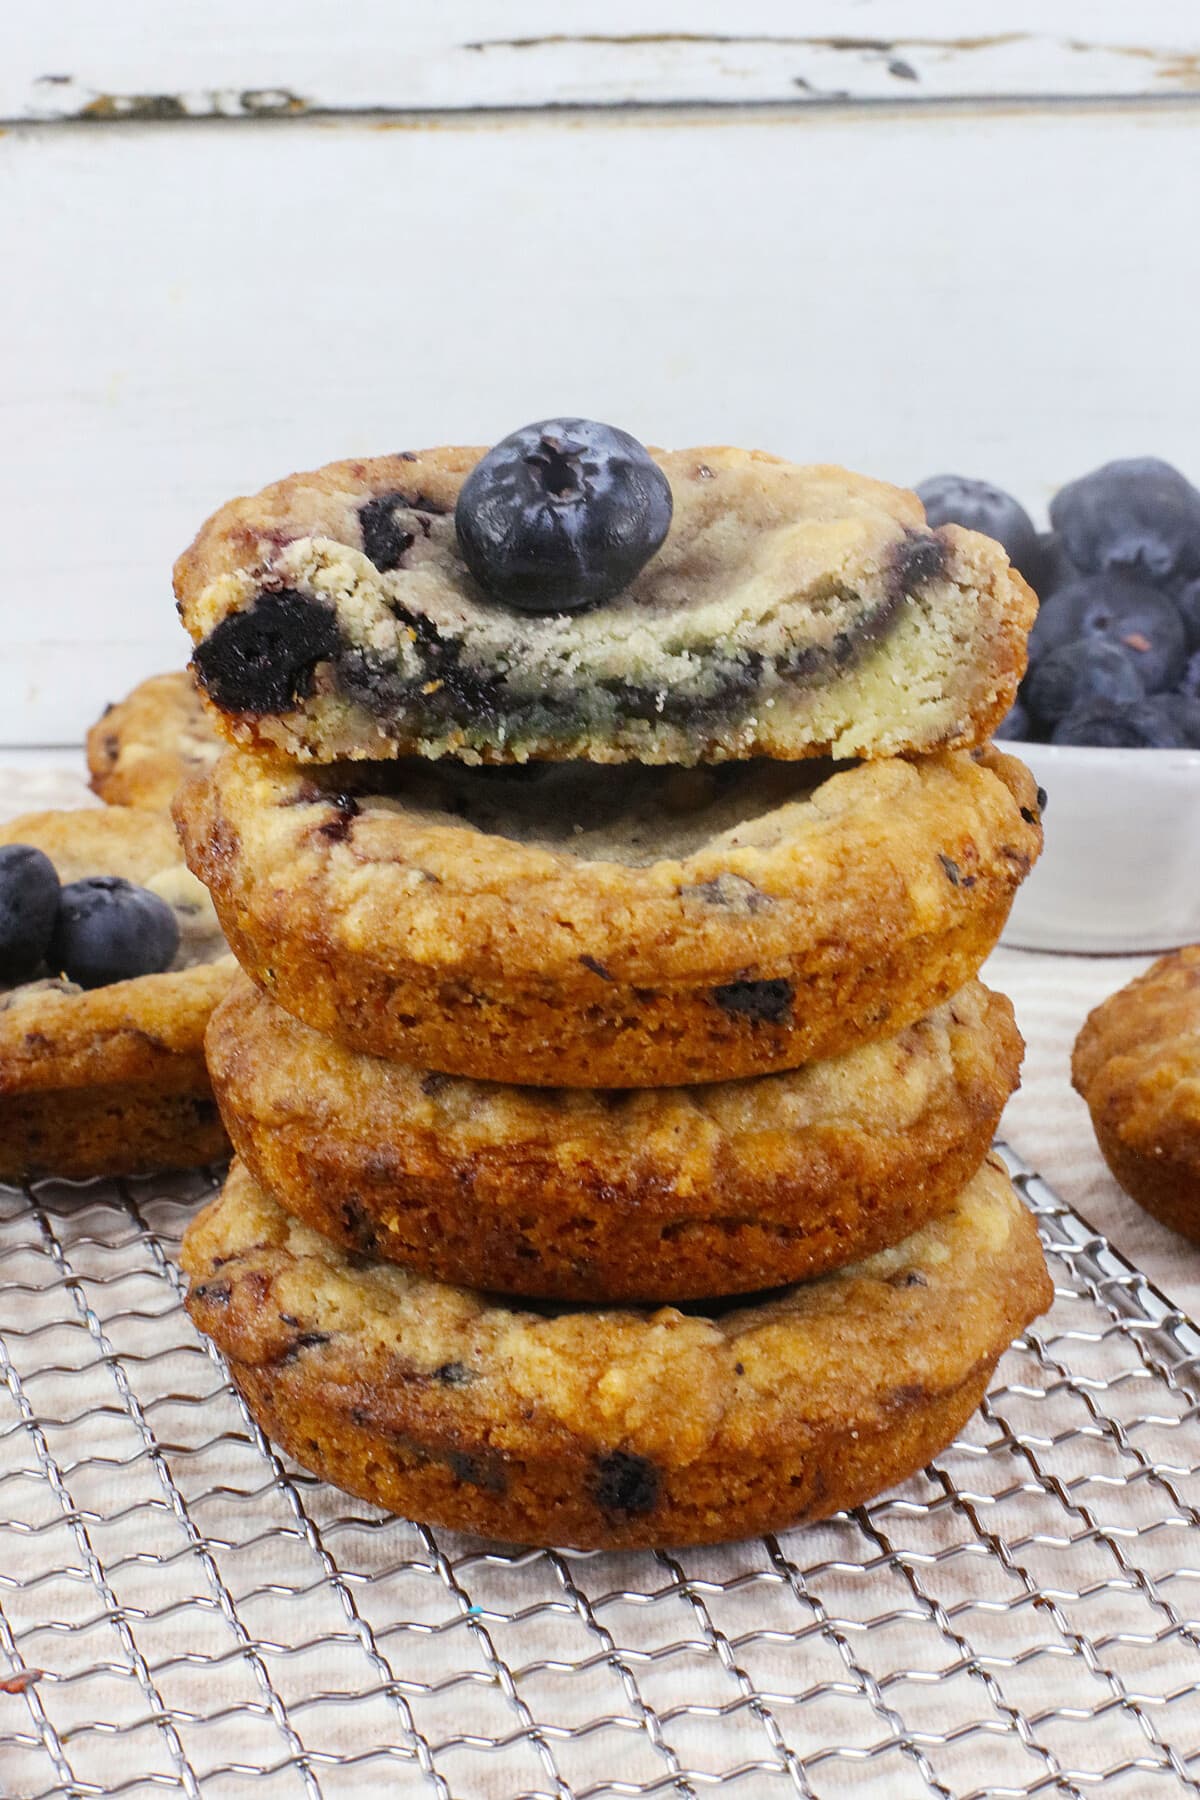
562 924
790 612
616 1194
110 1080
605 1428
141 748
1137 1065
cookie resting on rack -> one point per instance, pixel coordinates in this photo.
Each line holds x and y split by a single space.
599 927
607 1428
408 604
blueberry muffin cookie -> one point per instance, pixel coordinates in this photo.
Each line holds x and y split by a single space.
616 1194
1137 1065
604 1428
142 747
111 961
562 924
571 595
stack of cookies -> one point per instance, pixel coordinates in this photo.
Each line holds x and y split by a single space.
610 842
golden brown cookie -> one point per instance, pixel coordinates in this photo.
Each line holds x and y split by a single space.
618 1194
111 1081
791 611
1137 1064
611 927
609 1428
142 747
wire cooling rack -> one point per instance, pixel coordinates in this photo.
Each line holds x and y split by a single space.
1022 1618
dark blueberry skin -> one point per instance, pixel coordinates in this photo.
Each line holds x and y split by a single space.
1139 515
1190 685
961 500
1015 725
1146 725
28 908
1128 612
1078 673
1184 709
109 930
1187 599
1055 568
562 514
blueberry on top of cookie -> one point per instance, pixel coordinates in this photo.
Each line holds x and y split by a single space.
29 892
95 931
562 514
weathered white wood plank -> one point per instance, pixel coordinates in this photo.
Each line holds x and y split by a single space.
282 58
191 313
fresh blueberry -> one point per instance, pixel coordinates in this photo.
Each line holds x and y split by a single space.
961 500
28 905
1147 725
1129 613
1055 568
1140 515
562 514
1078 673
1190 685
109 930
1184 709
1187 599
1015 725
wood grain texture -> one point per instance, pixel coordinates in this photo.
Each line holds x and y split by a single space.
266 59
199 312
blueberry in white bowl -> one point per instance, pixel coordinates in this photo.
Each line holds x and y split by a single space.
1138 514
979 506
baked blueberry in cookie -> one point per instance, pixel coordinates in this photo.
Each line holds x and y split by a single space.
570 595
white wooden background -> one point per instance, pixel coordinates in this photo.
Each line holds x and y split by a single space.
244 236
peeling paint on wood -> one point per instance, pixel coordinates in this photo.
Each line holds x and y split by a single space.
234 61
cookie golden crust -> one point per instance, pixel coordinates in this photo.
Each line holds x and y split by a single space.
642 1194
613 1428
1137 1065
791 611
112 1080
142 747
611 927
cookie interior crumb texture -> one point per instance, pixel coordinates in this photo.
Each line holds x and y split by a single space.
613 1427
792 611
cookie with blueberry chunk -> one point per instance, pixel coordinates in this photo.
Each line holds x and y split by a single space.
548 1424
1137 1065
611 1194
104 1005
142 747
571 595
623 927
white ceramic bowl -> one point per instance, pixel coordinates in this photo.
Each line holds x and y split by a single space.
1121 866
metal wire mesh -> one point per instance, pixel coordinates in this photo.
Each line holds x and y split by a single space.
1022 1618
